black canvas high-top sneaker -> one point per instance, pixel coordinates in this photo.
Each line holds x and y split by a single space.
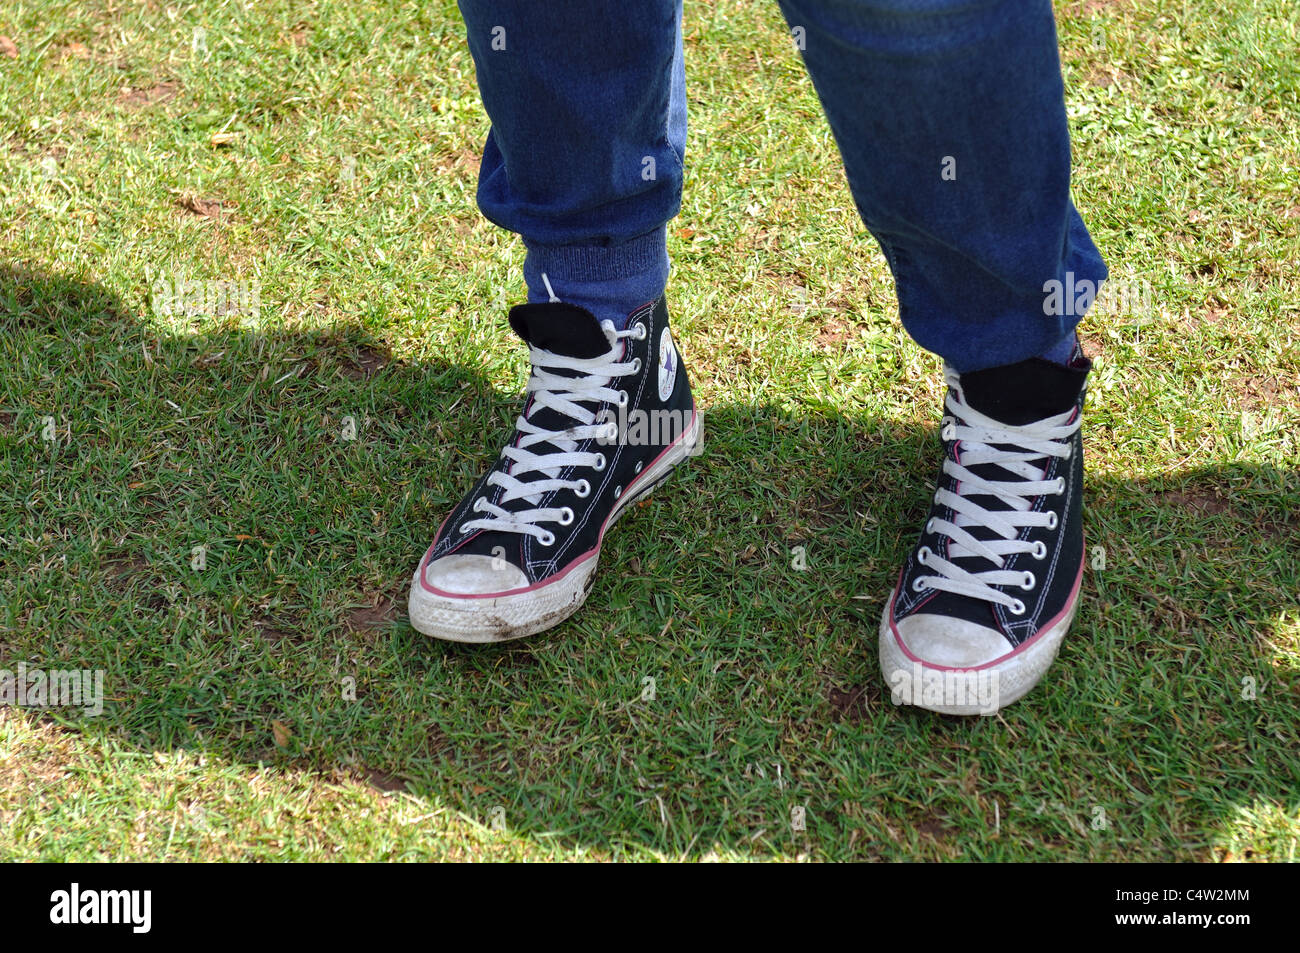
987 594
609 414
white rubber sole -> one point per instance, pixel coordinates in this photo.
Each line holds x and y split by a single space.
969 691
514 615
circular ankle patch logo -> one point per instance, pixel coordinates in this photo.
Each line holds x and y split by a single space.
667 364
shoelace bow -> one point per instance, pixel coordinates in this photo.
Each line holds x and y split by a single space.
565 395
1024 452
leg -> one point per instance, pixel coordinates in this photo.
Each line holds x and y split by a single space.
584 160
950 119
951 122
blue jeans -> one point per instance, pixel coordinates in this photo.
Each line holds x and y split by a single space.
949 116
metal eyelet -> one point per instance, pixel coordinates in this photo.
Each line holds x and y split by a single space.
583 491
644 332
547 540
923 554
636 366
1054 521
618 491
566 516
929 525
919 584
603 464
639 464
1017 608
1060 485
623 398
1040 550
476 508
1028 581
466 529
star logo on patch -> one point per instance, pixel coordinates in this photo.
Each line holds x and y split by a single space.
667 364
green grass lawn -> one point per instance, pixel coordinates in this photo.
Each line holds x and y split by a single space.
328 150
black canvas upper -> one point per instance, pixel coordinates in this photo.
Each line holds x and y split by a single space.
575 332
1016 395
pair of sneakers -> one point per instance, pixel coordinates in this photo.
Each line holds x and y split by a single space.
982 601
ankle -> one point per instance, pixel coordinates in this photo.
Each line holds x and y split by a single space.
610 282
1065 351
611 300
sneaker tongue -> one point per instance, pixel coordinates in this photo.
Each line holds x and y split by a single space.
569 331
1019 394
1016 394
560 328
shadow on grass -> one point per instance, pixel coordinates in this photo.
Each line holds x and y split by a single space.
708 689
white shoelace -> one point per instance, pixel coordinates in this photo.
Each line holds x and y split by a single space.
1033 444
566 396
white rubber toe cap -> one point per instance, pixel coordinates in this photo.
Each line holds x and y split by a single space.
952 643
473 575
